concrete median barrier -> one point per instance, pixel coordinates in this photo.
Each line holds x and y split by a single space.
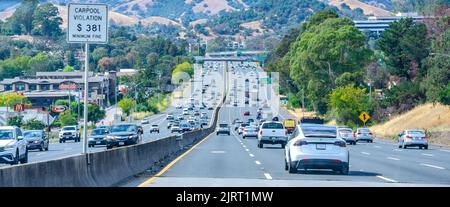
104 168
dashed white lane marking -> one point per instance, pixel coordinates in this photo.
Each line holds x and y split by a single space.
386 179
268 177
247 150
393 158
433 166
443 150
251 155
39 154
366 153
399 150
217 152
257 162
429 155
377 147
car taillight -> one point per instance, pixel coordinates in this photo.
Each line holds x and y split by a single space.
370 133
408 136
425 137
359 133
300 143
285 132
340 143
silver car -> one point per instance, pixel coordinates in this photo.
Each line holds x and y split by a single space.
346 134
413 138
250 131
363 134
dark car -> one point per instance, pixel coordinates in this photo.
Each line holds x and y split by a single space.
122 135
98 137
36 139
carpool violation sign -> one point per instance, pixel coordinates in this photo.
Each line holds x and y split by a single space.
87 23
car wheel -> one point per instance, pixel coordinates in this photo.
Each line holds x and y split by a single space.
426 147
46 149
293 167
16 159
108 147
25 159
243 137
345 170
283 145
404 146
42 147
400 146
60 141
286 166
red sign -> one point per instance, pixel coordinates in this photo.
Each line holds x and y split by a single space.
19 107
58 109
67 86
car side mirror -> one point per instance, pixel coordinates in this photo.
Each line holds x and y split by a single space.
20 138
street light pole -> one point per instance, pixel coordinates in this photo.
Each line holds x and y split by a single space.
86 94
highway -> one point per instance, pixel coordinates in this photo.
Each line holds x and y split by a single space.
70 148
222 160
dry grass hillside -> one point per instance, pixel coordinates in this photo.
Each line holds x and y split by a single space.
435 118
160 20
213 6
368 9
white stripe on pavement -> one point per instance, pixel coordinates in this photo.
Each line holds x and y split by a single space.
268 177
393 158
251 155
257 162
429 155
366 153
386 179
377 147
444 150
433 166
247 150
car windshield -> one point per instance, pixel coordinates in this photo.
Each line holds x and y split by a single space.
68 129
98 132
223 125
30 134
6 134
272 125
363 130
154 125
417 133
345 131
322 131
123 128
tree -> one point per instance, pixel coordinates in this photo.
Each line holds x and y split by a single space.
43 62
327 48
347 103
10 98
33 124
14 67
126 105
24 16
68 68
67 118
46 21
15 121
185 67
405 45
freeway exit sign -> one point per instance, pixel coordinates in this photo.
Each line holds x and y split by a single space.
87 23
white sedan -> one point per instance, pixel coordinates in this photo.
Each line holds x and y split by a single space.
316 146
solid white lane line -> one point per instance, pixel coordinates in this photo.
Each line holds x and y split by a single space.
268 177
393 158
39 154
366 153
251 155
429 155
386 179
398 150
257 162
433 166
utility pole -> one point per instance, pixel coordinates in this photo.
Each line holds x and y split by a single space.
86 94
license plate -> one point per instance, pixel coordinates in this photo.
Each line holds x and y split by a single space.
121 143
98 142
321 146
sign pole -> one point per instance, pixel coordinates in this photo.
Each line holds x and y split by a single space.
86 85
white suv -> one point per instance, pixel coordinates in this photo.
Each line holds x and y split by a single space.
69 133
316 146
13 147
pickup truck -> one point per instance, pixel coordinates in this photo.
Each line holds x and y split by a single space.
69 133
272 132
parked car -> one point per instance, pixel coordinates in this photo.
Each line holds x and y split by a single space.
97 137
272 132
363 134
13 146
36 139
316 146
69 133
122 134
250 131
154 128
223 129
346 134
413 138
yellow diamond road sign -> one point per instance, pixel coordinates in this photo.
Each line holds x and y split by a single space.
364 116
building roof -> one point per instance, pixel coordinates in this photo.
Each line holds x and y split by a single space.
93 79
